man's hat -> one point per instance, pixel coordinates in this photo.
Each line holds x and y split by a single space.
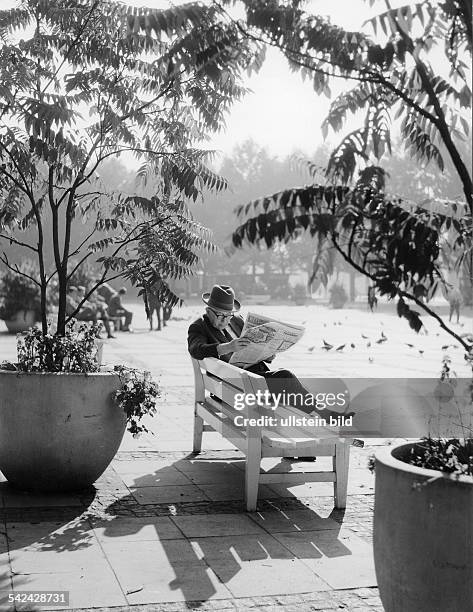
221 297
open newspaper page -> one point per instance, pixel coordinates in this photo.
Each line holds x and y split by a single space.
268 337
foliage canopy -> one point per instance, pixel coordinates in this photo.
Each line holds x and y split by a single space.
85 80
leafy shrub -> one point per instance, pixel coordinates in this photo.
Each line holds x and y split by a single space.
76 351
454 456
19 293
137 397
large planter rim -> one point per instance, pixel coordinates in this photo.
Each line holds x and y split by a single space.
87 374
385 457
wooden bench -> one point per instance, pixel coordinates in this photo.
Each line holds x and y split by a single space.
223 381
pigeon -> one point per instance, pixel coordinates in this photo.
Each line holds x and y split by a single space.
421 351
368 344
311 348
383 335
445 347
340 348
381 340
352 345
409 345
327 346
370 359
363 336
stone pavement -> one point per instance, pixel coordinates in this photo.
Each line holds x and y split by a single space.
166 530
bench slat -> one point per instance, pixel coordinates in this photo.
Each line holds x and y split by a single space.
223 389
225 371
296 477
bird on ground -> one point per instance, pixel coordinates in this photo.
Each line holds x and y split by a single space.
340 348
363 336
370 359
368 344
421 351
409 345
445 347
311 348
327 346
352 345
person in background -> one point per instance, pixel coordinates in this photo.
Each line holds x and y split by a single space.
105 291
454 298
97 307
116 309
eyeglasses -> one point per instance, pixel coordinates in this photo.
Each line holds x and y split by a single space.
222 316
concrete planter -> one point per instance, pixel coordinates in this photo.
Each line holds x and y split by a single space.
23 320
58 431
423 536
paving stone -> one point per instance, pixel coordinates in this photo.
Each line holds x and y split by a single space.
168 494
132 529
169 570
233 491
216 525
339 558
12 498
296 520
253 565
158 479
88 587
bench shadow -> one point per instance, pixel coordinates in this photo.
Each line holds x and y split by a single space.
204 543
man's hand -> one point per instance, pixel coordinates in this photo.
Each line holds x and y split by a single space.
233 346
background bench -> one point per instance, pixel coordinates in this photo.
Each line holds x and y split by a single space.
223 381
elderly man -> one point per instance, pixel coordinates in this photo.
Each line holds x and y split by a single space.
217 334
116 309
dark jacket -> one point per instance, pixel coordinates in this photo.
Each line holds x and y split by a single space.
203 338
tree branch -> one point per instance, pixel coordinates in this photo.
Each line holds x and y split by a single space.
18 242
16 269
405 294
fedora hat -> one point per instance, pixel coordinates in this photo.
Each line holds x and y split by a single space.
221 297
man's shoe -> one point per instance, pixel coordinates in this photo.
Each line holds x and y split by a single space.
111 336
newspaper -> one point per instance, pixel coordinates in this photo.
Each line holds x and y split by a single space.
268 337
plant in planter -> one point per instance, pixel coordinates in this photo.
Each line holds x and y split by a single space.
154 83
20 305
299 294
423 541
338 296
48 445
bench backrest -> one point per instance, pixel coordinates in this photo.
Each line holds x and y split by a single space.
225 381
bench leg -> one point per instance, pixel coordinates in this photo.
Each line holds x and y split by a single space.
341 461
252 472
198 430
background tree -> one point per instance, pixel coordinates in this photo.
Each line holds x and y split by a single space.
250 172
391 242
83 81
